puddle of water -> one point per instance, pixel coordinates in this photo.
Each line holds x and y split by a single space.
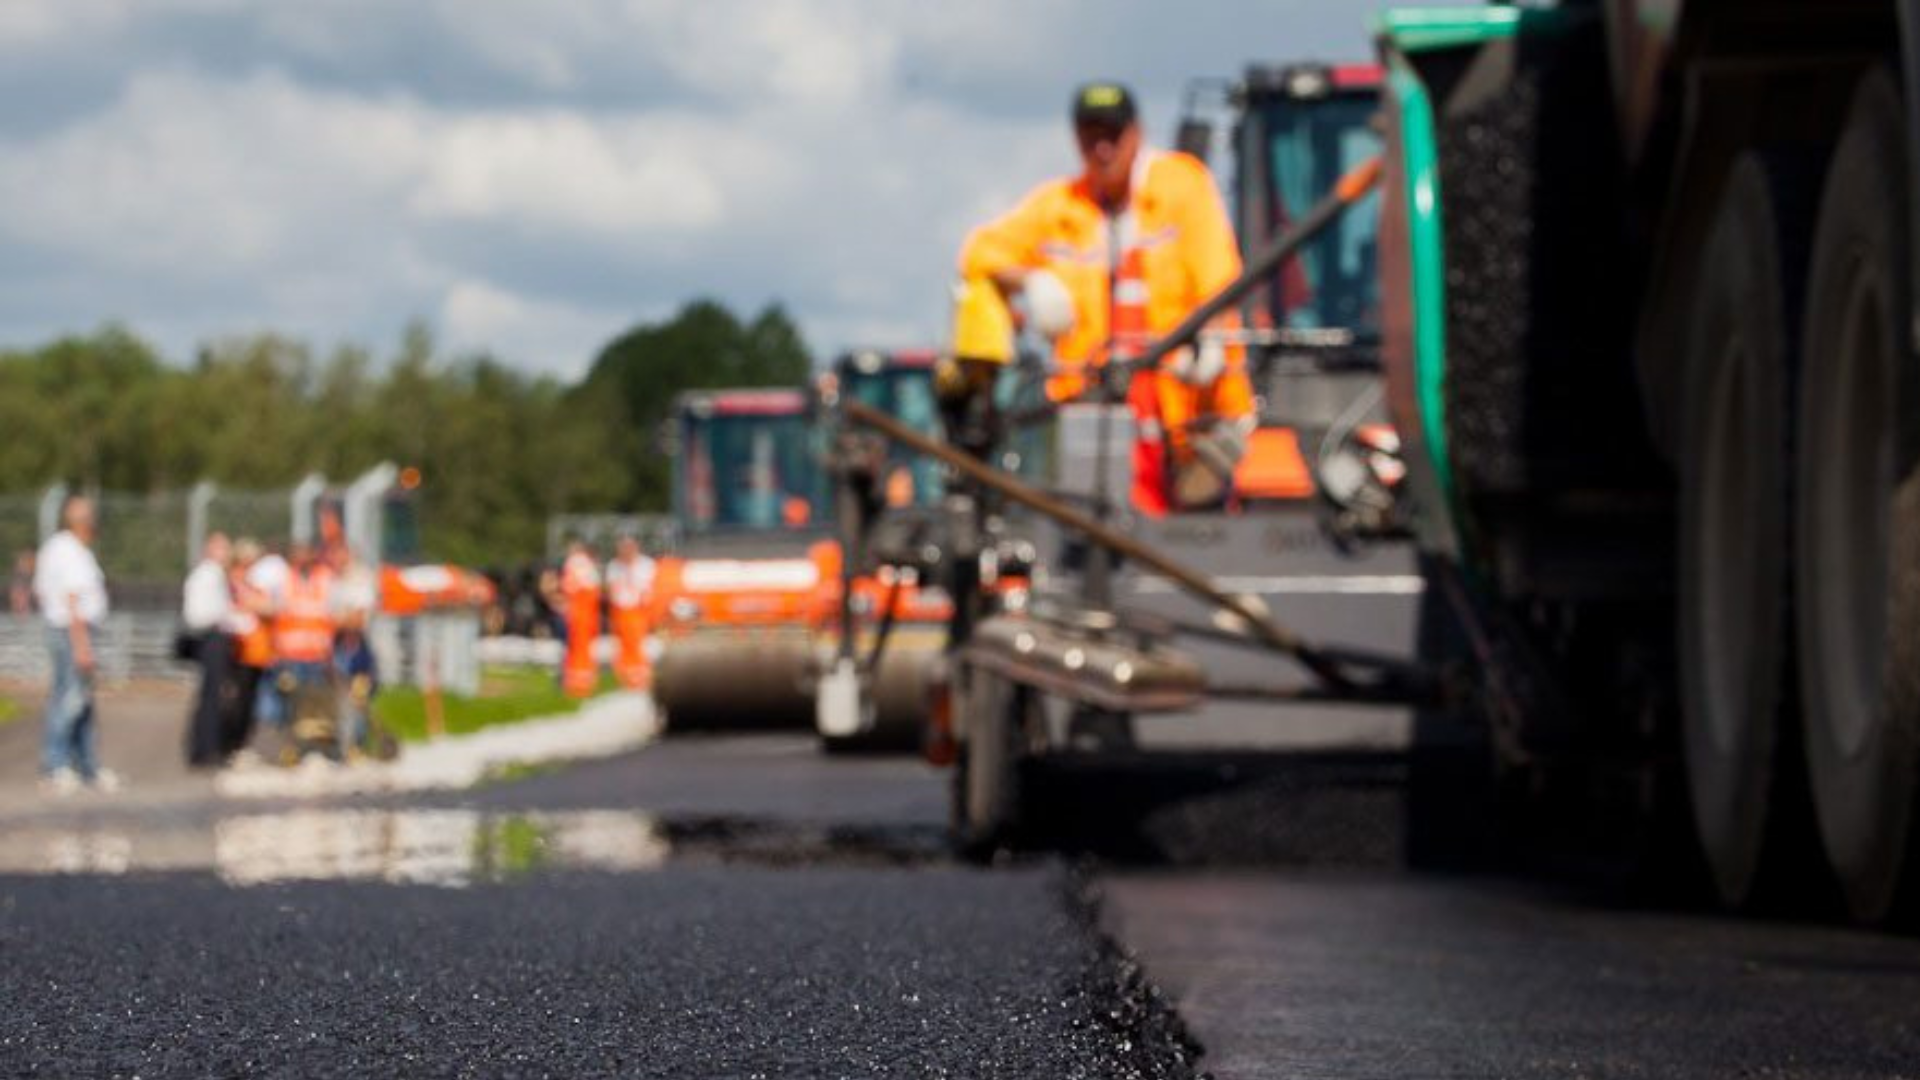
447 847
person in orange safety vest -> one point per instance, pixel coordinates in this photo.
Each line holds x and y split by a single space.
580 595
629 589
1108 261
302 624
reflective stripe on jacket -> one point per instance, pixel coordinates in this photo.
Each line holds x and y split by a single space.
303 627
1185 245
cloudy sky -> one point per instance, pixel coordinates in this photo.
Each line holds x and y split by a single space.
533 177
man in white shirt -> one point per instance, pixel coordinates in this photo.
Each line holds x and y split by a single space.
72 593
205 608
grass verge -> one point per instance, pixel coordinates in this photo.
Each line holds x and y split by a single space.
9 710
507 695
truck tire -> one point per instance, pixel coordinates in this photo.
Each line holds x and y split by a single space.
986 778
1739 734
1858 524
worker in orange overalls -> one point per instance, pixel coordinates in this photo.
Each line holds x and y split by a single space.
303 627
629 592
1106 262
580 596
253 637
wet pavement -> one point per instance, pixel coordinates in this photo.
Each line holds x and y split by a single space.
1260 896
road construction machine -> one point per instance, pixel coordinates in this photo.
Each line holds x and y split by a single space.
738 605
1649 322
1062 664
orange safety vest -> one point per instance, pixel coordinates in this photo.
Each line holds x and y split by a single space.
303 627
629 583
628 586
1176 250
1181 250
580 585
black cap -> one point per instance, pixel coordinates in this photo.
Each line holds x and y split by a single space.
1104 103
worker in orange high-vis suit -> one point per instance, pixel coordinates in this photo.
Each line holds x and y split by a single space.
1106 262
580 596
303 627
629 592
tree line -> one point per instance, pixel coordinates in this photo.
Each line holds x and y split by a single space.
500 450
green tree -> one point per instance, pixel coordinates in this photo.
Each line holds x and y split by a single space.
703 347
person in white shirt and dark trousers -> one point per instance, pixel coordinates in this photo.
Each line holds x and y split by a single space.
72 593
206 608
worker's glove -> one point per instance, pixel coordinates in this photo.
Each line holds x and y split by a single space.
1200 365
1208 477
950 383
1049 305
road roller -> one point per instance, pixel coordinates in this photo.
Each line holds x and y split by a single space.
739 605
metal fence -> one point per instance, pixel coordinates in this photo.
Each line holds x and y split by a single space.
132 645
658 534
266 516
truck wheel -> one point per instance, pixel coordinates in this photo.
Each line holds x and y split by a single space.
1738 733
986 778
1858 525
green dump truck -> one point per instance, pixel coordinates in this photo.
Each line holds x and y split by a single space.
1649 325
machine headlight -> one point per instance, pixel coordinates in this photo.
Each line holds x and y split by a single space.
684 610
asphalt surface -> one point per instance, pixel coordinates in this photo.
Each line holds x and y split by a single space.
697 972
1254 894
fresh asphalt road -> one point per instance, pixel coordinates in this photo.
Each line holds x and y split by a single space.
747 907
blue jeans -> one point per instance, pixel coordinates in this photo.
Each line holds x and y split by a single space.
275 707
69 742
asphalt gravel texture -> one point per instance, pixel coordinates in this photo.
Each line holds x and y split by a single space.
735 972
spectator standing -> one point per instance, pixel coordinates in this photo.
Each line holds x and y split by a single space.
72 594
253 645
356 593
20 592
206 610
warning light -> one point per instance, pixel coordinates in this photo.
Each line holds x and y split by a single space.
409 478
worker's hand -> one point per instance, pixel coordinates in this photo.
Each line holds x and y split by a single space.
1202 364
1049 305
950 382
1221 447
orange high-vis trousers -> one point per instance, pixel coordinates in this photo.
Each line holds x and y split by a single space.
1165 408
630 627
578 673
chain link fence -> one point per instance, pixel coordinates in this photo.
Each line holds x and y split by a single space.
146 543
658 534
265 516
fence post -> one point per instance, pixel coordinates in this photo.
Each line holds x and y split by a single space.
304 494
50 506
198 502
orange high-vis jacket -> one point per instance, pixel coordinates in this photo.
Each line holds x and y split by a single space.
303 627
1181 228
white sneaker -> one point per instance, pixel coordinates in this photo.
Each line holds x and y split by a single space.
61 782
106 781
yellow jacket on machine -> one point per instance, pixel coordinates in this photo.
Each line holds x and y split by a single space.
1179 229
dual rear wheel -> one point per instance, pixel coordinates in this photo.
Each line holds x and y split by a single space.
1799 553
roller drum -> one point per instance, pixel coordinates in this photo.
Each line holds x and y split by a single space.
735 681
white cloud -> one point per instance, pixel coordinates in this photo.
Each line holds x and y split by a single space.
535 177
39 23
564 170
551 338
